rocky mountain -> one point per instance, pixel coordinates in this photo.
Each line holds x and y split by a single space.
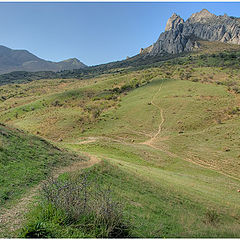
180 35
22 60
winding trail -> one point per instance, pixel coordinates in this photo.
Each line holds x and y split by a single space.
152 139
12 219
89 140
150 142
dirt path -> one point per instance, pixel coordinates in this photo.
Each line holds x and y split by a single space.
11 219
89 140
152 139
198 163
97 138
150 142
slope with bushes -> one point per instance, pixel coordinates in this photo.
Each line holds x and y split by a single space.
25 161
168 135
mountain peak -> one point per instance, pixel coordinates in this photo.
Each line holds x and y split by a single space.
72 60
23 60
204 11
71 63
201 16
180 36
174 15
173 22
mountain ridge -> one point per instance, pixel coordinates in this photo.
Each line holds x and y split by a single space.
181 36
23 60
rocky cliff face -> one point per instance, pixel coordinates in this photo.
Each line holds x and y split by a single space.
173 22
180 35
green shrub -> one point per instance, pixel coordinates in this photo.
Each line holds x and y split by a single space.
234 111
36 230
126 87
236 89
80 204
106 95
212 217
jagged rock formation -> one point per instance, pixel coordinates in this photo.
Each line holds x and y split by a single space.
173 22
22 60
180 35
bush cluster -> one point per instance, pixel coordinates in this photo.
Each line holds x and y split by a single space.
80 203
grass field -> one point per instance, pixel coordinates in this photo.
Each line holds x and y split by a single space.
161 202
168 137
25 161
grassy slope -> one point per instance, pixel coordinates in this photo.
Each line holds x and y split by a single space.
205 188
192 165
201 134
157 206
25 160
162 208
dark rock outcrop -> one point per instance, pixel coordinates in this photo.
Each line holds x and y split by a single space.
180 35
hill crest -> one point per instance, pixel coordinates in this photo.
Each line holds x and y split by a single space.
22 60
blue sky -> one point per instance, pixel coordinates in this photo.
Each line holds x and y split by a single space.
94 33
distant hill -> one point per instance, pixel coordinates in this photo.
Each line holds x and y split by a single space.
202 33
22 60
217 50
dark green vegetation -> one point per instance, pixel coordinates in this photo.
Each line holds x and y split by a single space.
120 67
153 208
209 56
167 133
25 160
77 206
24 77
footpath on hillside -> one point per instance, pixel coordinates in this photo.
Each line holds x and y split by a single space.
12 219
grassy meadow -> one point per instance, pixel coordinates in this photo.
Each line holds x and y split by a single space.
167 137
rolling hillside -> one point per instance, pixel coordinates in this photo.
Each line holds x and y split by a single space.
25 161
167 135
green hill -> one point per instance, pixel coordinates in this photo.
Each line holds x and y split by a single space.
167 134
25 161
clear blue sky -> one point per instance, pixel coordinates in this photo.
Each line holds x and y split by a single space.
94 33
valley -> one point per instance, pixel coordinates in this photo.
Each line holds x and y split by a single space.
155 130
146 147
